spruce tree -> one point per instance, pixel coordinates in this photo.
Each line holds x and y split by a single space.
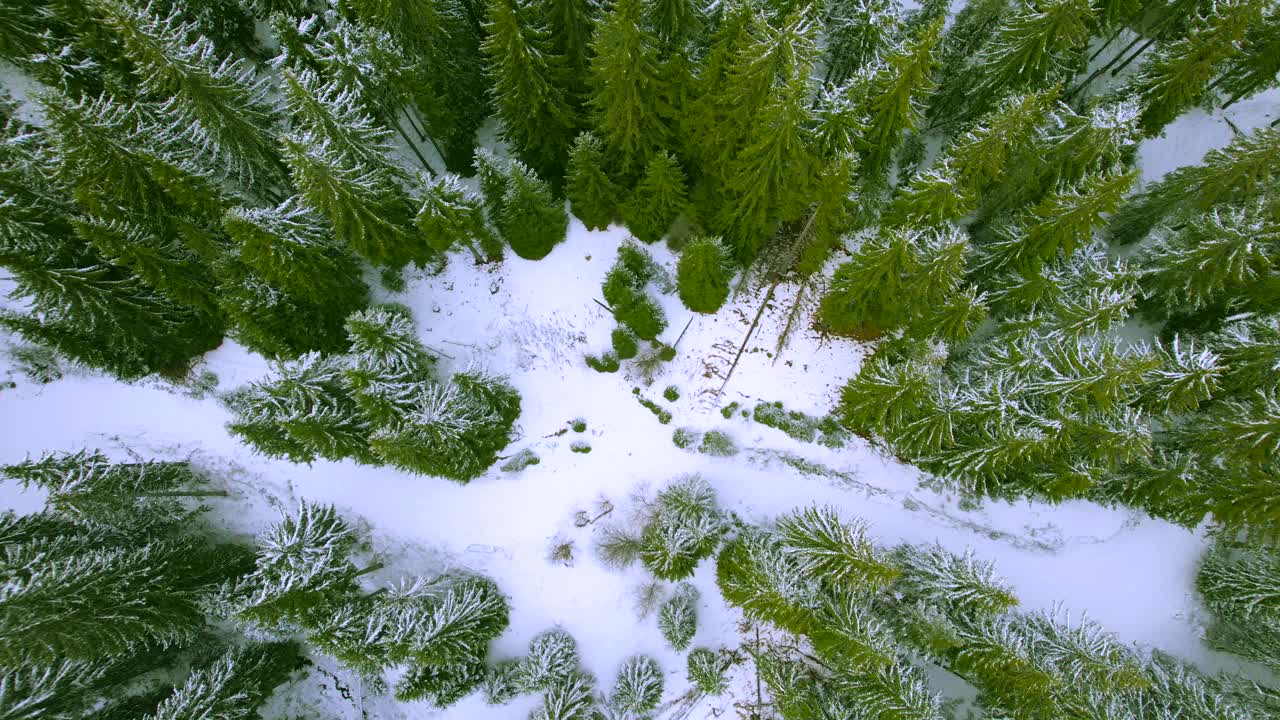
451 215
1038 44
303 571
366 206
702 274
1236 173
1222 258
1057 225
67 602
290 247
530 92
234 686
306 411
769 180
894 277
1257 66
627 106
858 31
217 104
895 94
971 30
657 200
572 24
441 44
593 196
1176 77
126 498
638 688
531 220
678 617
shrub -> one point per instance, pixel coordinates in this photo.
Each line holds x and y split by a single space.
672 393
678 617
606 363
624 343
707 670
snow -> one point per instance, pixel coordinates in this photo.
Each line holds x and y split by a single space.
535 321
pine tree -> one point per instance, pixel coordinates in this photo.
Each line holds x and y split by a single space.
388 363
68 602
676 22
61 691
552 661
446 82
531 220
1176 76
972 29
335 115
769 180
233 686
1239 586
684 527
657 200
1038 44
365 205
128 497
1220 258
917 270
571 24
894 96
306 411
304 570
638 688
529 89
627 105
593 196
1057 225
572 699
702 274
290 248
824 547
678 617
858 31
451 215
1256 67
216 104
1236 173
706 671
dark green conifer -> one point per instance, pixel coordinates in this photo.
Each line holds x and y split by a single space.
529 91
593 196
702 274
658 199
627 105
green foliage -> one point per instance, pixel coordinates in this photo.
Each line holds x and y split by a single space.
658 199
624 289
529 217
529 88
234 685
706 671
605 363
678 617
451 215
895 94
638 688
683 528
1236 173
915 270
624 343
552 661
520 461
671 393
593 196
1176 76
703 275
628 106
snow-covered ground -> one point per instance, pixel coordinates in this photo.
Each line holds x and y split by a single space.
535 321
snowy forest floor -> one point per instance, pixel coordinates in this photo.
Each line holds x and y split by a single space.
535 321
